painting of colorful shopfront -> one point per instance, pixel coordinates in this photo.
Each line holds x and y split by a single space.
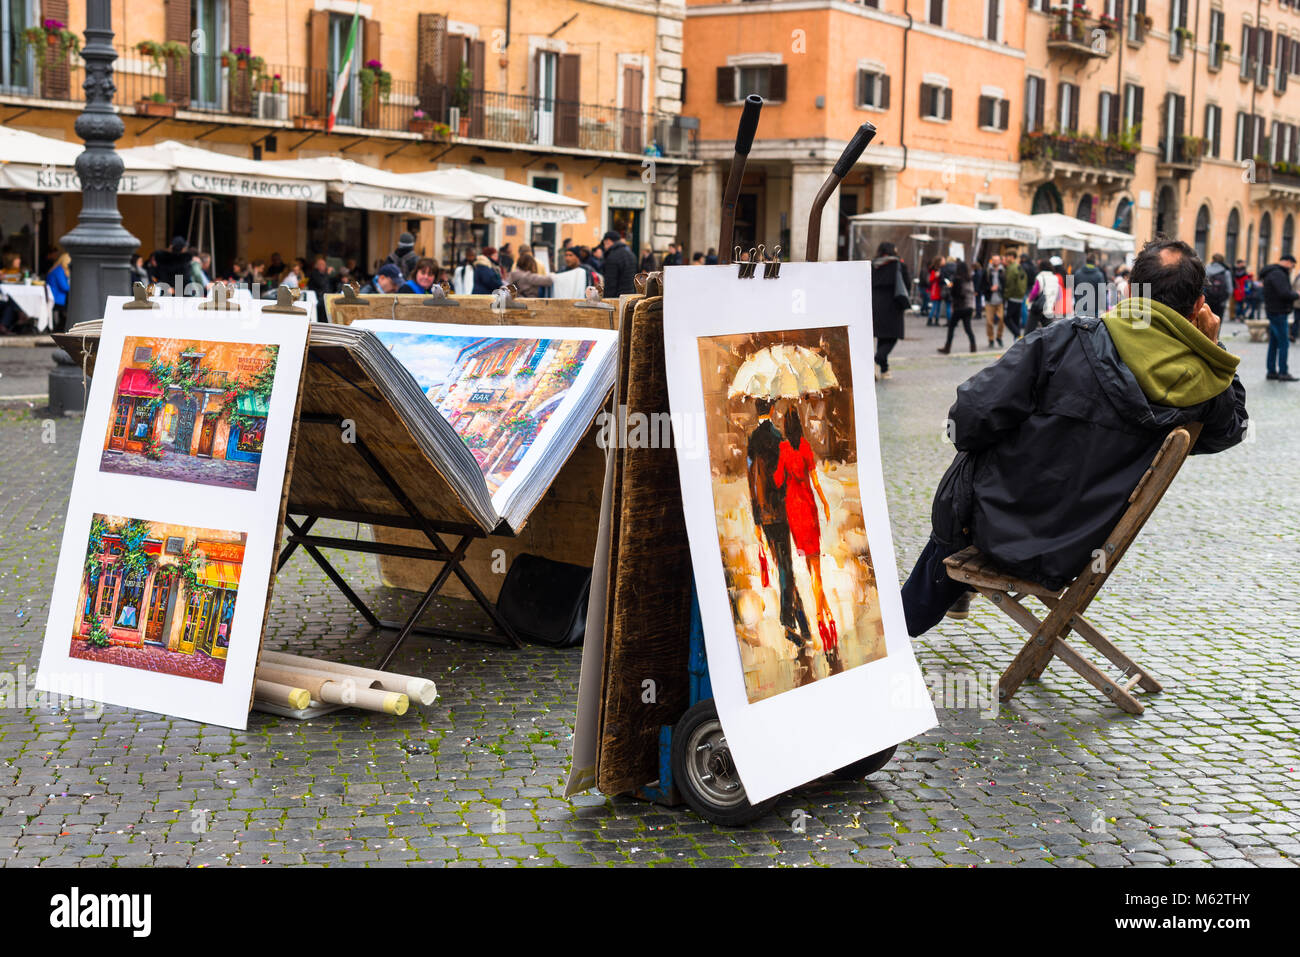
190 411
158 597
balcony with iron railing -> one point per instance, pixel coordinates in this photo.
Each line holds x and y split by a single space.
246 91
1181 157
1078 150
1075 32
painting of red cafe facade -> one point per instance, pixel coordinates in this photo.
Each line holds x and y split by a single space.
189 411
159 597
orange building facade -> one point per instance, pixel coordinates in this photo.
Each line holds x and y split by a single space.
1177 116
569 96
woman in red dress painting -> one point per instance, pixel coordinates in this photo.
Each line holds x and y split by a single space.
796 472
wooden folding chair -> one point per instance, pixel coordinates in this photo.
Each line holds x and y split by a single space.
1066 606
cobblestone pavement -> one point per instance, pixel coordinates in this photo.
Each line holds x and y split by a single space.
1058 778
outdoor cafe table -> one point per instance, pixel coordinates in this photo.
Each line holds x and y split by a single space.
34 301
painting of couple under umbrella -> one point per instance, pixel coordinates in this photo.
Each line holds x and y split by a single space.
784 464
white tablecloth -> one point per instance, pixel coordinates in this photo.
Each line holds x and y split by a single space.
32 300
570 284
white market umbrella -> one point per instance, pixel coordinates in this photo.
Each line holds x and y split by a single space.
1057 227
503 197
42 164
783 372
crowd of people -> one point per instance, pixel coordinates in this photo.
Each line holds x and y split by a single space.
1015 295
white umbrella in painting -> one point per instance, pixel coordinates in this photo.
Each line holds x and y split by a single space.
783 371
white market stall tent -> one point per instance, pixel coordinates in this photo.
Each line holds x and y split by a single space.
43 164
501 197
1058 231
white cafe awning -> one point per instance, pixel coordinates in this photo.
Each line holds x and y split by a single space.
501 197
206 171
42 164
364 187
1065 232
987 223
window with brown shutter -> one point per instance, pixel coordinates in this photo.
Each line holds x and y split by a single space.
318 64
632 117
726 84
176 28
371 50
568 86
776 83
477 89
55 81
241 95
431 54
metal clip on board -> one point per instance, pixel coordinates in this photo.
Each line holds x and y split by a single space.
438 297
140 298
285 303
220 299
592 300
350 297
503 298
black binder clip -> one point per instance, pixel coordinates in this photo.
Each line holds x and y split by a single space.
284 303
591 300
746 268
772 267
141 298
438 297
220 299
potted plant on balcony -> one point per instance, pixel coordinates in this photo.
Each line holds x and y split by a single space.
240 64
1184 34
440 133
460 97
375 79
157 52
1194 148
155 104
419 123
52 36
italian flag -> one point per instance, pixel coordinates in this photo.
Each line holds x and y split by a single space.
344 78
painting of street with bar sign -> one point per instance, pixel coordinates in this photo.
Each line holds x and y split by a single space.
778 412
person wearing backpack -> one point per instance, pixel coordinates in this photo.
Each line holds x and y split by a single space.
1218 284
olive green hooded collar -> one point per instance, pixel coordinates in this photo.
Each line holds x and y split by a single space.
1174 363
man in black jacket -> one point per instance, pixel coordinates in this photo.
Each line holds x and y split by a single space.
619 266
1089 290
1053 437
1279 298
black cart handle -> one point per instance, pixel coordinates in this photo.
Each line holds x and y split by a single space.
865 134
749 125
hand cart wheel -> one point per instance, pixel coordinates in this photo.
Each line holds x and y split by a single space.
867 766
704 773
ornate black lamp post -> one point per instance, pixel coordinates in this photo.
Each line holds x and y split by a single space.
100 246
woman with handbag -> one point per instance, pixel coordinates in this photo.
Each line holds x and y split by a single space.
889 303
963 305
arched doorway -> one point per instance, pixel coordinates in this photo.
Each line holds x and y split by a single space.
1288 236
1047 199
1232 237
1265 241
1167 213
1203 232
1087 209
1124 216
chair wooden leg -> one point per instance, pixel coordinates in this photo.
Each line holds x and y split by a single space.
1088 631
1036 653
1096 678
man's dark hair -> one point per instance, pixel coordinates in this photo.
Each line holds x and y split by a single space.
762 406
1177 284
886 249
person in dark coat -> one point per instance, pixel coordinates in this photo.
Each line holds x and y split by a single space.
404 257
619 266
487 276
1279 298
1089 287
889 302
171 265
767 501
1053 437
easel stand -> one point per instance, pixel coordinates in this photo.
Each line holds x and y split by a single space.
299 534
